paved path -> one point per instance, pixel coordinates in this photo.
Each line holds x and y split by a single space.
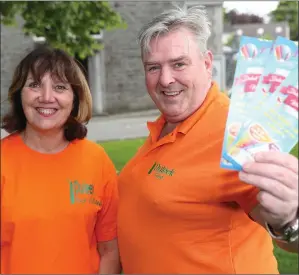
124 126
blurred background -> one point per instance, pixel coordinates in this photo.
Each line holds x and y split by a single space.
102 36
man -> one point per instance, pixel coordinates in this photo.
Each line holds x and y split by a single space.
179 212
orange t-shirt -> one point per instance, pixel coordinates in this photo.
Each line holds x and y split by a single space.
55 207
179 212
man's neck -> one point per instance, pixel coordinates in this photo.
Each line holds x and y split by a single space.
44 142
167 129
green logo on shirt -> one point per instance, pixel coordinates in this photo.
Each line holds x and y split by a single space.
82 193
161 170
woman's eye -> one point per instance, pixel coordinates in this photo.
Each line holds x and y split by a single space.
33 85
60 87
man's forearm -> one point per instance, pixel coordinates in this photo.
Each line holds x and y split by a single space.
256 216
290 247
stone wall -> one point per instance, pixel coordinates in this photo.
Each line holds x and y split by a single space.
14 46
125 88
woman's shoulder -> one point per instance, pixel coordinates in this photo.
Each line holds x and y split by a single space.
11 149
90 148
10 141
88 145
95 153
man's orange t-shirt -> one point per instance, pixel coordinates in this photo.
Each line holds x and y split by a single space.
179 212
55 208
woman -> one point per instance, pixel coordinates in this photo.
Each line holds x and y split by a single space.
58 190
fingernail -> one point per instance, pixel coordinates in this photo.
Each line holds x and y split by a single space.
246 165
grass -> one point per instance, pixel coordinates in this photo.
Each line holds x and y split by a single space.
121 151
287 262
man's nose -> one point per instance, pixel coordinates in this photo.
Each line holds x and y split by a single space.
47 93
166 77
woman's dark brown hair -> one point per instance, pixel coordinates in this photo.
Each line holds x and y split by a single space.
42 60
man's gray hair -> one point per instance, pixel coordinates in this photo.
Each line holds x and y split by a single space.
194 19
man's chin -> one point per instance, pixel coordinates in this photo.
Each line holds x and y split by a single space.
174 117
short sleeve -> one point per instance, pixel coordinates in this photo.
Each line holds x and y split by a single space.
245 195
106 225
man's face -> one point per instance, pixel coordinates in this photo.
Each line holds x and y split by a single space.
177 74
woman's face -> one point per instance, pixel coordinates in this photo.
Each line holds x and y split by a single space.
48 104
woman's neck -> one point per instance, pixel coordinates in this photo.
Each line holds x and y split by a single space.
44 142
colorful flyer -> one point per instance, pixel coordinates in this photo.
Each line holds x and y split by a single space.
252 55
275 128
283 58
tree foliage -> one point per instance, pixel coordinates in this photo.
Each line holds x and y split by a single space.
230 40
233 17
224 15
287 11
68 25
267 36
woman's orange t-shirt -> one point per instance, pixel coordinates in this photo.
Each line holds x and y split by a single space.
55 207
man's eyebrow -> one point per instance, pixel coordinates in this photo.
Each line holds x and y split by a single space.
180 58
149 63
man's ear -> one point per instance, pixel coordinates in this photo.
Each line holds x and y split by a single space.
209 61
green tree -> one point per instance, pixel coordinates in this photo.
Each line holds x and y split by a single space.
230 40
287 11
234 17
267 36
68 25
225 15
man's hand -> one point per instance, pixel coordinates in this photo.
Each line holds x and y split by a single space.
276 175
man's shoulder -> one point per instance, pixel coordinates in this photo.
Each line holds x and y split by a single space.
218 110
211 127
222 101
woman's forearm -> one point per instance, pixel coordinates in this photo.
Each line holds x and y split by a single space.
109 258
110 264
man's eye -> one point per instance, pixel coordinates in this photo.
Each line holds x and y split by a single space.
179 65
151 69
33 85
